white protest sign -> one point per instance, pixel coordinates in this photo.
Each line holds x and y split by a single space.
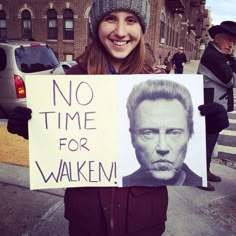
72 137
79 131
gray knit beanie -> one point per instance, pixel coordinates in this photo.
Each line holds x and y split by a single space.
100 8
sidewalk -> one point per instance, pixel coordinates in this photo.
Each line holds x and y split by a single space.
191 212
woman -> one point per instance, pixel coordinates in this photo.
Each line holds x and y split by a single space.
118 45
168 62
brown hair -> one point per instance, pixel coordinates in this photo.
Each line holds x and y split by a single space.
95 58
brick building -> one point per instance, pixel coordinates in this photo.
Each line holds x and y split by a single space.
64 25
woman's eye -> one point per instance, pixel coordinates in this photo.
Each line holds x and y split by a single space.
132 20
109 18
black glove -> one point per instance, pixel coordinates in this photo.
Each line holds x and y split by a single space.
216 117
18 121
232 63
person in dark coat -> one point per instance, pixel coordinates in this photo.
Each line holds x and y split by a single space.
168 62
218 68
179 60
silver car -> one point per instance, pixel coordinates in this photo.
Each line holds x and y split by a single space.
18 58
67 65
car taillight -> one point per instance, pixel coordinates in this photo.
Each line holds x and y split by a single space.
35 44
20 87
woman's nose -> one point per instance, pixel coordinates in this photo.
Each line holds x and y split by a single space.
120 28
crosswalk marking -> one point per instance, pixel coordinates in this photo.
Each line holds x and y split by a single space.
232 121
226 149
228 132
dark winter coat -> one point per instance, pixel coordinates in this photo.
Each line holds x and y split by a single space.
218 77
138 211
178 59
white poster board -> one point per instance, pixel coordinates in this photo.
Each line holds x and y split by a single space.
79 131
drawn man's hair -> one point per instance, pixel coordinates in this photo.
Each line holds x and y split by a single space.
160 89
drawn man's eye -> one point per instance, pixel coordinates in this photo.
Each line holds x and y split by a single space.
175 133
147 133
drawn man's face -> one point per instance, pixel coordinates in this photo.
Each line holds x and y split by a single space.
160 137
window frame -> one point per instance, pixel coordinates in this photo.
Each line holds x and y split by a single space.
26 21
68 19
52 30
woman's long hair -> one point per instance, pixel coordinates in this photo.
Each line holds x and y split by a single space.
96 59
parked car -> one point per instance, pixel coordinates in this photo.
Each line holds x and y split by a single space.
17 59
67 65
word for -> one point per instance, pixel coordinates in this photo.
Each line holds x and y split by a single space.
81 171
73 145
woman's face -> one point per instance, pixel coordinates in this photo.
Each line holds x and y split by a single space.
119 32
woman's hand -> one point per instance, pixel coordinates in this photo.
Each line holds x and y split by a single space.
18 121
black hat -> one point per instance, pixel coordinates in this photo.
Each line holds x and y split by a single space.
228 27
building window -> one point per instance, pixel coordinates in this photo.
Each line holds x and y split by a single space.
3 25
26 24
68 57
162 28
68 24
52 24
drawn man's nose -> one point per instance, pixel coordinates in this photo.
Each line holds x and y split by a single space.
162 146
162 152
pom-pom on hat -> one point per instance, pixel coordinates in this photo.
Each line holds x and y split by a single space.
100 8
228 27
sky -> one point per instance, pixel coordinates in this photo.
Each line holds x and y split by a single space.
221 10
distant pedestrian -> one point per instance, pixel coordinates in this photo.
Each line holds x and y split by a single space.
218 68
179 60
168 62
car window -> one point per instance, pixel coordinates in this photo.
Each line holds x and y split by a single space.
35 58
3 59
